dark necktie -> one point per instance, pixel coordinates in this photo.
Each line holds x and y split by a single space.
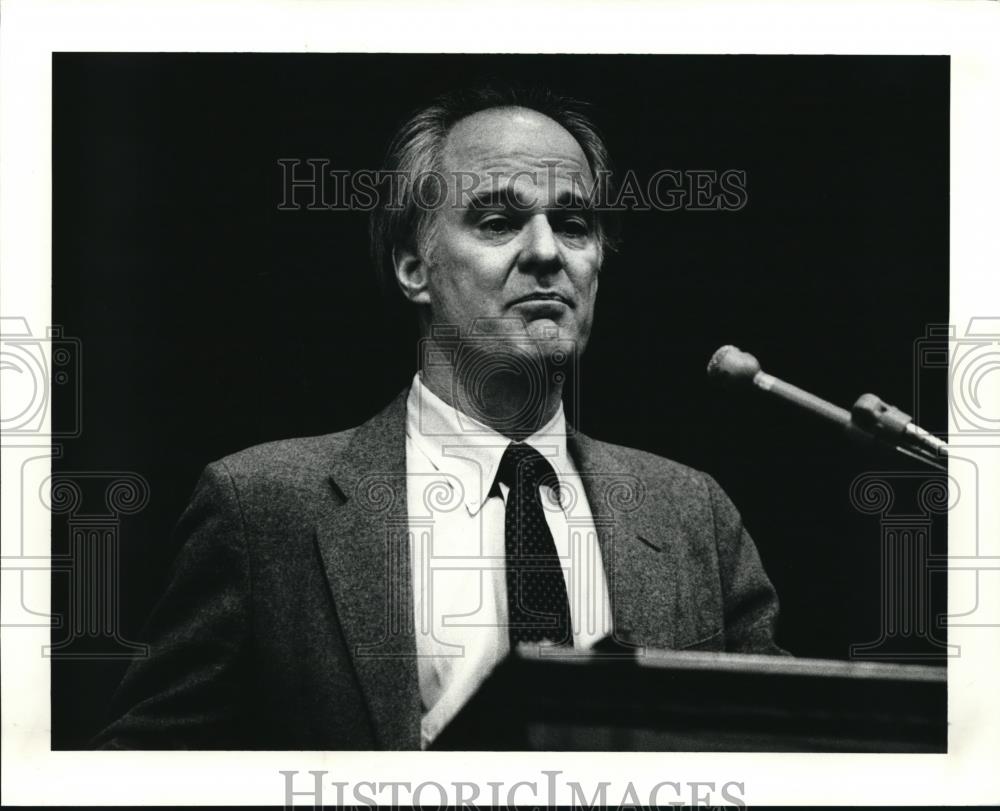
538 606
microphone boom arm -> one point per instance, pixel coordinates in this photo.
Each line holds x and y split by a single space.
869 419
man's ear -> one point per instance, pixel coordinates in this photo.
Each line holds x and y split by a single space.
411 275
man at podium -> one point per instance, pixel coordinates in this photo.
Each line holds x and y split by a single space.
354 590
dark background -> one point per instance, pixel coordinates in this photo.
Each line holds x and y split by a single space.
211 321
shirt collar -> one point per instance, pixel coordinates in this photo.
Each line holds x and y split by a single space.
456 444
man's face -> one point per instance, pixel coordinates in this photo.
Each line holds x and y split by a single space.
518 243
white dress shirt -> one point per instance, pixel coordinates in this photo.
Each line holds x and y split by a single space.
457 555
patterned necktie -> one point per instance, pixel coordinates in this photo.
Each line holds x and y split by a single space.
538 606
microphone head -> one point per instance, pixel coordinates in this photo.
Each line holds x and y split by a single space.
732 365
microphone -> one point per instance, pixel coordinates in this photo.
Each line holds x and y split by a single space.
732 366
869 419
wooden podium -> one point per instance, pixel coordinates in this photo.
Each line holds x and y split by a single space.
561 700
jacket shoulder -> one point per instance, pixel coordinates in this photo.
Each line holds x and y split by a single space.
642 463
286 460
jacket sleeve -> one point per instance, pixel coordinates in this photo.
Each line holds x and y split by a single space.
750 603
190 691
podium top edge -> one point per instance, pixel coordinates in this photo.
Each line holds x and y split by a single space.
739 663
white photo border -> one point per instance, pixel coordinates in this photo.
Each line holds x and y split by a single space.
968 32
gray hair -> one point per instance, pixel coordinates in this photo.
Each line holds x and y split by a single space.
415 153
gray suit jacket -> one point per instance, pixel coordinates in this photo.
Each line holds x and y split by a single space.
288 622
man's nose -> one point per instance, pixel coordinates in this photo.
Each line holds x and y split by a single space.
541 253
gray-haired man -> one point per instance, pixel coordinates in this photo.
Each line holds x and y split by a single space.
353 590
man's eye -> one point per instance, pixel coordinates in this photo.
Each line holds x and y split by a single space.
496 225
575 227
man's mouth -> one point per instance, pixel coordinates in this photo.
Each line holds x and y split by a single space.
542 298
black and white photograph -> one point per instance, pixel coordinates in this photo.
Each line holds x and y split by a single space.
503 406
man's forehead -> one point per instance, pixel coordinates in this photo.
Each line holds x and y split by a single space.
503 141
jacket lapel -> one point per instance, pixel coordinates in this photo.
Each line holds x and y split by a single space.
637 557
365 550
